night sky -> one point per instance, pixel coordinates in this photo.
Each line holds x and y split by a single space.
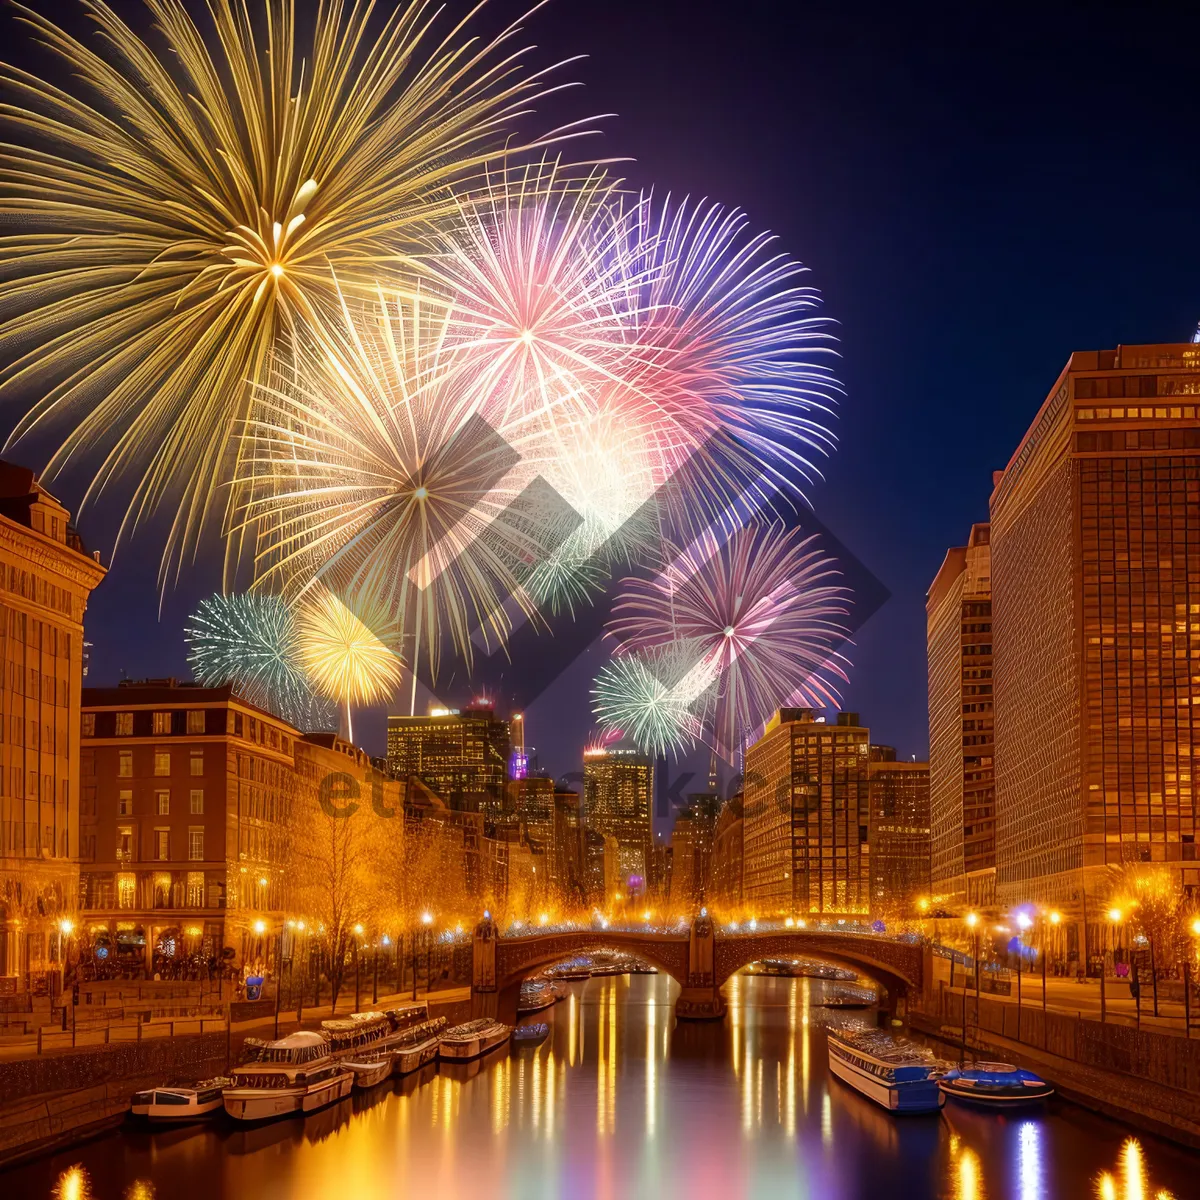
979 190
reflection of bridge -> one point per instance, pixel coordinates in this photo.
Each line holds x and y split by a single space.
699 959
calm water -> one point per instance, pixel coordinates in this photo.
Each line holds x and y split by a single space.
620 1102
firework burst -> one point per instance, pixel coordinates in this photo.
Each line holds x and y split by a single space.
758 616
250 641
649 699
371 470
343 655
181 207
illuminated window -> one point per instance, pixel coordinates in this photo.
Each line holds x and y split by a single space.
162 844
196 762
125 764
162 802
89 724
195 889
124 724
195 720
196 845
124 843
162 762
126 889
196 801
124 804
162 722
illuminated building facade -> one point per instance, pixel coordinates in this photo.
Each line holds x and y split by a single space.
899 830
1095 528
186 795
692 850
46 578
807 814
617 788
727 856
463 756
961 748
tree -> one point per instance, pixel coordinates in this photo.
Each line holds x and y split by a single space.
1153 899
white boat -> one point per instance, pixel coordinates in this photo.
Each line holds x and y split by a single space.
895 1073
180 1102
475 1038
368 1074
537 994
418 1046
295 1074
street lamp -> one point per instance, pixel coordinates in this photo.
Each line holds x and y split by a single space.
972 921
1115 917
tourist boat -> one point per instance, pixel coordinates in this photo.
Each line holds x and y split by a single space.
361 1037
849 997
475 1038
417 1046
536 994
530 1035
295 1074
180 1102
368 1074
997 1085
898 1074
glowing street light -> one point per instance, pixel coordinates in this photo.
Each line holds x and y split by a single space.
260 927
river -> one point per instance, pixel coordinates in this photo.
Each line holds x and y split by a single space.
622 1102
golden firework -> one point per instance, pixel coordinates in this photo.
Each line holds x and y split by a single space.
344 652
179 207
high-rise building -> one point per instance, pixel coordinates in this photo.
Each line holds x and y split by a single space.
1095 527
46 578
617 788
961 771
186 799
462 755
807 814
691 849
727 856
899 830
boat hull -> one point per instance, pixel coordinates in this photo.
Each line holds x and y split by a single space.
914 1096
470 1048
263 1104
1028 1097
413 1058
368 1074
177 1114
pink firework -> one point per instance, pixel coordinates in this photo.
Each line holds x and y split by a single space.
731 358
760 615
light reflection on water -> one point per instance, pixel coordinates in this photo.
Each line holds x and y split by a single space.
620 1102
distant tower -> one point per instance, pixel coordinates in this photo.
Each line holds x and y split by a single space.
1196 335
712 773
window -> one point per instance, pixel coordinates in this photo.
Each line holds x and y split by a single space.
196 762
162 803
162 844
126 889
195 887
124 724
162 762
195 720
124 843
196 845
89 724
124 804
162 722
125 764
196 802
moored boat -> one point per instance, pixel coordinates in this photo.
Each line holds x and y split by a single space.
895 1073
368 1074
530 1035
536 994
996 1085
295 1074
174 1103
418 1046
475 1038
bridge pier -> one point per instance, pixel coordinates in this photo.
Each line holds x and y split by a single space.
701 998
485 998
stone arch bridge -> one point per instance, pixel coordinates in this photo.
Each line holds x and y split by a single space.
700 959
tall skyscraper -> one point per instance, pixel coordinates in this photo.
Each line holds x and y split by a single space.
617 788
46 578
807 813
1095 528
961 752
692 847
899 832
727 855
462 755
